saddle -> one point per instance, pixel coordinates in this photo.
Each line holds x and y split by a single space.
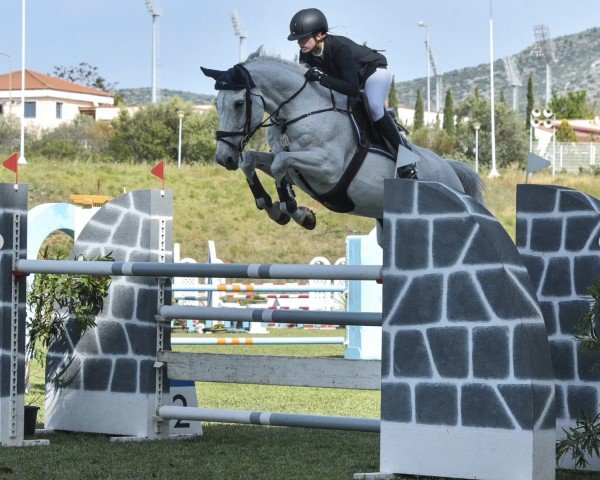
365 132
368 140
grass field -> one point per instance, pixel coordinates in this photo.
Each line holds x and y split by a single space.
211 203
226 451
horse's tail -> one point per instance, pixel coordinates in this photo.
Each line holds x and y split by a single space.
471 181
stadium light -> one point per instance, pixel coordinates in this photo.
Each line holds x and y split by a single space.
239 31
154 10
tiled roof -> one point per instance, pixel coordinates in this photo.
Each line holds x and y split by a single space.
39 81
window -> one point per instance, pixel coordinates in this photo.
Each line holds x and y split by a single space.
58 110
29 109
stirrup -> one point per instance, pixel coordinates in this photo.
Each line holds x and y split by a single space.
407 172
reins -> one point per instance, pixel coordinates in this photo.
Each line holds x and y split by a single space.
273 120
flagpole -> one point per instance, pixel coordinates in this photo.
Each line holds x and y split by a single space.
22 157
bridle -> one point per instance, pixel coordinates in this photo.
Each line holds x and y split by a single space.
272 120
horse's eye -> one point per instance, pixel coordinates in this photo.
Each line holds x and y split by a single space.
238 103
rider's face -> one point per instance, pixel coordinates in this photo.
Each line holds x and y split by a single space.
311 43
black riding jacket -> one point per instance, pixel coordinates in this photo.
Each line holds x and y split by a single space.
347 65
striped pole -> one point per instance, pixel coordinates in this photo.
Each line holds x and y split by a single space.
269 418
258 341
263 315
219 270
257 288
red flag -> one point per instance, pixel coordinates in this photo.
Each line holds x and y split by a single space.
12 163
159 171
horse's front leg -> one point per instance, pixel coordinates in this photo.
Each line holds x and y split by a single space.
282 162
251 161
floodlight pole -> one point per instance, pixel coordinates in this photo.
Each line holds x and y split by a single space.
548 83
553 146
180 115
155 12
22 160
9 82
476 127
494 171
154 58
424 25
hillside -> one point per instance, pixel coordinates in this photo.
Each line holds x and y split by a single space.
141 96
577 67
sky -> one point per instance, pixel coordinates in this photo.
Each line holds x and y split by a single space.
115 35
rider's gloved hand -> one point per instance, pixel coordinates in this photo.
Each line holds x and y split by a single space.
313 74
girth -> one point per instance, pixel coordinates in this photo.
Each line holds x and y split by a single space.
337 199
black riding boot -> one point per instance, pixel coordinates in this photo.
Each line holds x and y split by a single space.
388 129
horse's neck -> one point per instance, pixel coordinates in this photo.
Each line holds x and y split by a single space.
278 82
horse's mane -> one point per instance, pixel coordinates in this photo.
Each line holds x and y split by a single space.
268 58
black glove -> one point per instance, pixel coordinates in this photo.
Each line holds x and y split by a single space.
313 74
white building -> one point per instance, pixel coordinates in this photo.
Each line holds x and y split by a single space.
49 101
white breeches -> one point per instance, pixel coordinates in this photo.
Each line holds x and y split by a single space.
377 89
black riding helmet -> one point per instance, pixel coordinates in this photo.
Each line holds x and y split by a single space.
307 22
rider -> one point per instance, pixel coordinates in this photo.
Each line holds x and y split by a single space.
342 65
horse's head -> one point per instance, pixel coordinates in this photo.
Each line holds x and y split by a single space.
240 112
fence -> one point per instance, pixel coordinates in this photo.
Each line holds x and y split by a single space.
571 157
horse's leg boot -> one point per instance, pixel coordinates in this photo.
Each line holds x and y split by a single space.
387 128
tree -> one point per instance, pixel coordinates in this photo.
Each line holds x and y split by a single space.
530 102
565 132
151 133
502 97
419 120
448 125
393 95
84 74
572 105
512 139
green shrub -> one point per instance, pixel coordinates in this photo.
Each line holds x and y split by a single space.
583 440
81 139
151 134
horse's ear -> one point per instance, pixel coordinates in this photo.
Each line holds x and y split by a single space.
241 76
215 74
257 53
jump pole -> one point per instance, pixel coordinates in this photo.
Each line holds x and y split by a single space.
269 418
254 288
167 270
259 341
264 315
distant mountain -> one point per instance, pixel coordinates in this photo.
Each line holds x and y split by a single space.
142 96
577 67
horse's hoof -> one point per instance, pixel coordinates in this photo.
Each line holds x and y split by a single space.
280 217
310 220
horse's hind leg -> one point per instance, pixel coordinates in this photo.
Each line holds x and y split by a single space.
261 198
303 216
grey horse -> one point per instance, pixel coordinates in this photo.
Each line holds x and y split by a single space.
312 143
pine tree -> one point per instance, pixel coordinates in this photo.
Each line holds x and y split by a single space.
419 120
393 95
502 97
530 102
565 132
448 125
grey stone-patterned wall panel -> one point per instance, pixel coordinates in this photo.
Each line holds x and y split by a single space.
558 236
11 202
112 365
466 365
